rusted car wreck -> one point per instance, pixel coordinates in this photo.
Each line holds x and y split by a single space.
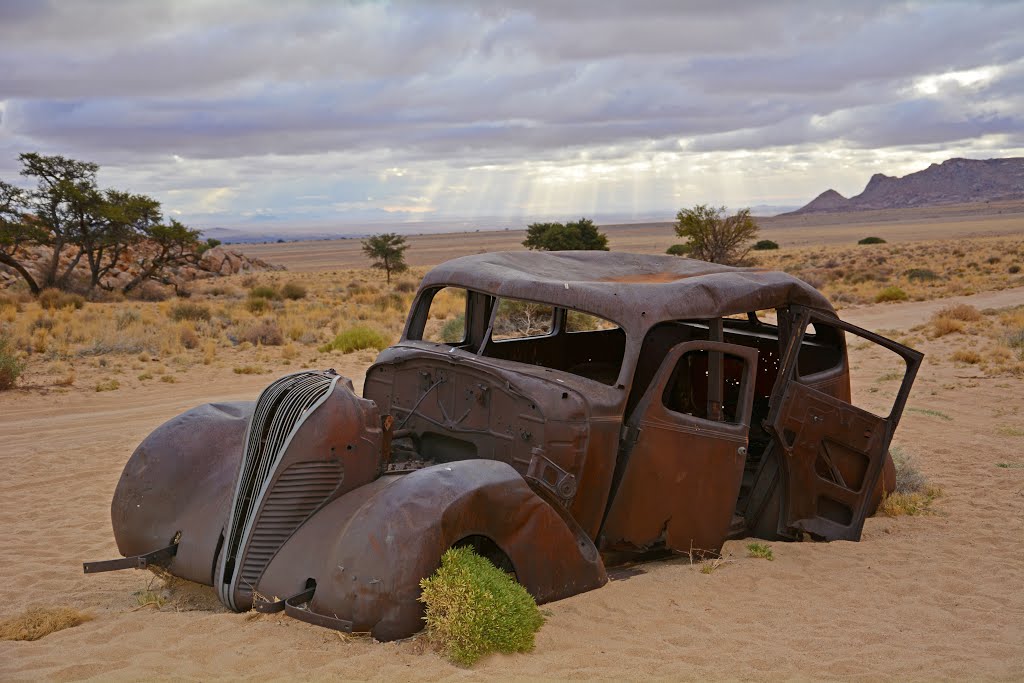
560 412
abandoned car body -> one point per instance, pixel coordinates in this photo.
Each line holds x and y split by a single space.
558 411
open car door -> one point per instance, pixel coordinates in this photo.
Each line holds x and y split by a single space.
831 452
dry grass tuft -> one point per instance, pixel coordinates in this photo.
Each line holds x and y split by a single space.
37 622
963 312
969 356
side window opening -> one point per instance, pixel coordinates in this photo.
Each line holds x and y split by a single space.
689 391
548 336
517 319
445 319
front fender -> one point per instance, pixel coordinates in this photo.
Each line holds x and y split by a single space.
180 479
368 550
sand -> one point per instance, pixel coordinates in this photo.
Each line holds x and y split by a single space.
895 225
921 598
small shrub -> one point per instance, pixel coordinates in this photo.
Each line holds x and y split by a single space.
188 337
964 312
52 299
293 291
168 379
1013 270
454 330
921 275
913 494
405 286
969 356
761 550
357 339
473 608
871 240
891 294
10 367
248 370
943 326
391 301
765 245
992 260
108 385
257 305
189 311
126 318
264 331
678 250
145 375
264 292
36 622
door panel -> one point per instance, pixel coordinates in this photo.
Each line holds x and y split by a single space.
832 452
682 472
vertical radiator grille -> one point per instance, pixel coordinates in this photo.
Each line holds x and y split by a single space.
280 409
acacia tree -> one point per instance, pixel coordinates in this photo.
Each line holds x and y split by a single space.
174 244
714 236
66 202
577 235
124 219
17 229
386 252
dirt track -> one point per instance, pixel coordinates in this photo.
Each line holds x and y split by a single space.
919 598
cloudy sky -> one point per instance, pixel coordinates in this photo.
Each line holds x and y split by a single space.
327 113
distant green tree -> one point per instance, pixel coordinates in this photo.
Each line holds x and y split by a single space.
578 235
715 236
386 252
678 250
766 245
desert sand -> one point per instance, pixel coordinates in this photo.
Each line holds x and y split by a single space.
895 225
918 598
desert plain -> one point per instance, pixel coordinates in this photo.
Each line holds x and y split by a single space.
921 597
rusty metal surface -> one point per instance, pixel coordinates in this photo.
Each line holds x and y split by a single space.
549 468
368 550
179 481
634 290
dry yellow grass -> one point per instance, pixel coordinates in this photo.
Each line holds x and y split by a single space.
36 622
123 344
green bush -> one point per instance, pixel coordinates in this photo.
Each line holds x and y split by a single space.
921 274
264 292
293 291
454 330
257 305
871 240
474 608
10 367
765 245
678 250
187 311
357 339
891 294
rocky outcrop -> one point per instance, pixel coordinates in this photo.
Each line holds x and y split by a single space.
216 262
955 181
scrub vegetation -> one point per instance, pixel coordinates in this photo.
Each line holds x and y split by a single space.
473 608
36 622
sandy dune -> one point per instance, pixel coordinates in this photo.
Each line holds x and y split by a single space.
918 598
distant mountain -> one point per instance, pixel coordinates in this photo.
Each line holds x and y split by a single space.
956 181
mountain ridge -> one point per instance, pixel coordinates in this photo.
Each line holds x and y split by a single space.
954 181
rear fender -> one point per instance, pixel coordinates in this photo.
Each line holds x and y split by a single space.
180 479
368 550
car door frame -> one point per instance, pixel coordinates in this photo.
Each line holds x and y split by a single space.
668 455
802 417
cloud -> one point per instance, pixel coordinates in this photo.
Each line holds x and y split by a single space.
545 103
